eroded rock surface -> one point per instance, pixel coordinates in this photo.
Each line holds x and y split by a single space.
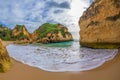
5 61
48 33
100 25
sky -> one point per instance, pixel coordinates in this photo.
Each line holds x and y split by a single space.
33 13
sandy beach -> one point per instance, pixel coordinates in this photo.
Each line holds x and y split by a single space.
110 70
6 43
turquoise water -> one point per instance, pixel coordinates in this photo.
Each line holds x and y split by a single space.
60 44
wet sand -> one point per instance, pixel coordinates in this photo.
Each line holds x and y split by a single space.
110 70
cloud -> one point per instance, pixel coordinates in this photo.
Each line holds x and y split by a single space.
33 13
58 5
58 11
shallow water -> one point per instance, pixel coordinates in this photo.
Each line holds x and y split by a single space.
61 57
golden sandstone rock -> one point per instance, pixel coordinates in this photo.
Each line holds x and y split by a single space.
100 25
5 61
50 33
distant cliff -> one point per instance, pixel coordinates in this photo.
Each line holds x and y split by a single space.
5 61
5 33
48 33
100 25
20 33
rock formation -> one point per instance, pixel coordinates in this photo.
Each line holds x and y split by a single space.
5 61
100 25
20 33
48 33
5 33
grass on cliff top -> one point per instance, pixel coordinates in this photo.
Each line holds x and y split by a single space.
5 33
21 36
19 27
2 27
46 28
5 66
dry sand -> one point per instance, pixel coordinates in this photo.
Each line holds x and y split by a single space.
110 70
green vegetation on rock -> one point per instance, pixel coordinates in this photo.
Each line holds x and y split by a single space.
19 27
63 33
5 33
46 28
5 65
18 32
50 33
47 33
21 36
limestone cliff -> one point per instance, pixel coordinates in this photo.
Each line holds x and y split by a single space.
48 33
20 33
100 25
5 61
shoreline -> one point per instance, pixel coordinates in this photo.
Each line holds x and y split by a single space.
110 70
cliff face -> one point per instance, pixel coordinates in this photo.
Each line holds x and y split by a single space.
5 61
48 33
5 33
20 33
100 25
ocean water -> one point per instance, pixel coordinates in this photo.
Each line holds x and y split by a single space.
61 57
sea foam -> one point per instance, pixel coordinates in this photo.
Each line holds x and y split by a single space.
61 59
